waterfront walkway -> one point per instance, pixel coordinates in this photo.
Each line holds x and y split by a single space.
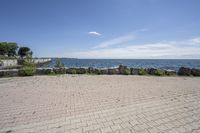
99 104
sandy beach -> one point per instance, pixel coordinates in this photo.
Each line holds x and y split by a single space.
99 103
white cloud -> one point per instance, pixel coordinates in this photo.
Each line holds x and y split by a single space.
160 50
94 33
196 40
115 41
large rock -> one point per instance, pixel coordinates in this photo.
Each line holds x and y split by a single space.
44 71
81 70
124 70
96 71
159 72
71 71
9 73
113 71
184 71
195 72
104 71
170 72
151 71
90 70
59 70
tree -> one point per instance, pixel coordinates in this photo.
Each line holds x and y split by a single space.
3 49
25 52
8 49
12 47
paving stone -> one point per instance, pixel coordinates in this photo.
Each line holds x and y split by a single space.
61 108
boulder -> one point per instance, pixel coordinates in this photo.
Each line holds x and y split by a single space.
71 71
96 71
151 71
90 70
113 71
170 72
81 70
59 70
43 71
9 73
184 71
195 71
104 71
124 70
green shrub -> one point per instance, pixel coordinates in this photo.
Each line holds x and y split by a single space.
81 70
127 72
48 71
73 71
28 69
59 70
142 71
96 71
160 72
59 64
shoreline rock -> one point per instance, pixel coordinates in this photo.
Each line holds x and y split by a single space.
121 70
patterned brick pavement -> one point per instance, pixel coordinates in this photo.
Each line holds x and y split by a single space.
100 104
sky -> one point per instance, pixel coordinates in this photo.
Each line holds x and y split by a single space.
101 29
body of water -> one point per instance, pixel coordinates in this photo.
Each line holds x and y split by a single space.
174 64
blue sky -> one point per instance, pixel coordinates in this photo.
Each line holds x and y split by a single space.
103 28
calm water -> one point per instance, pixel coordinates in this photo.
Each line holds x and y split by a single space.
144 63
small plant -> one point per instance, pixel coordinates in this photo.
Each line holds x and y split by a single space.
142 71
73 71
28 69
59 64
160 72
127 72
48 71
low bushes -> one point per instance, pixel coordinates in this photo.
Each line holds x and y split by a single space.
134 71
59 70
44 71
142 71
124 70
127 72
159 72
81 70
28 69
71 71
112 71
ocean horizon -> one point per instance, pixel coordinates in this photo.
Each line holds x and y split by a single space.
172 64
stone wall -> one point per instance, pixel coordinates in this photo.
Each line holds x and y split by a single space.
8 63
41 60
121 70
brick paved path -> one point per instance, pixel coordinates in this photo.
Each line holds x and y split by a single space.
100 104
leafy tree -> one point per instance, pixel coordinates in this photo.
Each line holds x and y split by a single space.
3 48
25 52
12 47
28 69
8 49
